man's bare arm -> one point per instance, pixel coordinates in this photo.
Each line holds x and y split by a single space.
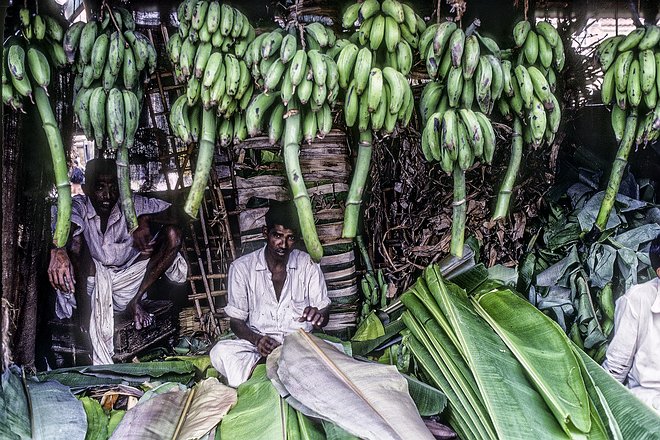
60 268
265 344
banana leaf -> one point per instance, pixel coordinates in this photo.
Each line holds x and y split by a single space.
97 419
116 416
178 414
14 410
516 408
635 420
334 432
368 400
260 413
56 413
538 342
370 328
429 400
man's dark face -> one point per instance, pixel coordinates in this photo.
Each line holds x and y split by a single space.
103 194
280 241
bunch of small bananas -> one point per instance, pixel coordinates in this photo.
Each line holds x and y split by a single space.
294 78
390 29
109 59
201 53
38 43
530 83
632 80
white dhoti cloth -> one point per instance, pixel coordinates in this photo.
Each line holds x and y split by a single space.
234 359
111 290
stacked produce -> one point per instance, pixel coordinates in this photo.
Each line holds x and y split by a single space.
373 65
631 65
27 60
529 87
464 77
300 83
207 55
111 60
490 353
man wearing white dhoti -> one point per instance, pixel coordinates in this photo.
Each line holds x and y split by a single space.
111 264
272 292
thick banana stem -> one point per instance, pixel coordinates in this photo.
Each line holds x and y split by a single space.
459 213
504 197
618 167
301 199
360 174
204 162
63 225
124 180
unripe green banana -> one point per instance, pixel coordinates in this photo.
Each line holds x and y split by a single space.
537 121
404 57
465 156
213 65
233 74
449 133
130 73
276 124
506 78
115 118
634 87
520 32
99 54
256 111
304 90
271 44
497 82
375 89
350 16
558 55
81 109
396 88
516 101
377 32
378 115
651 37
548 32
483 79
193 90
298 67
651 98
309 126
39 27
525 84
351 102
324 121
454 85
392 34
467 96
288 48
317 63
363 33
274 75
607 89
16 61
431 139
97 114
57 55
318 97
541 87
362 69
545 52
71 40
410 18
394 9
87 40
647 70
531 47
471 55
621 98
240 23
474 135
202 56
607 51
457 46
426 39
363 113
442 36
345 63
244 80
368 9
488 135
632 40
318 32
39 67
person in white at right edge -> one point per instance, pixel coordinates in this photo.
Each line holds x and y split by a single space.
633 356
272 292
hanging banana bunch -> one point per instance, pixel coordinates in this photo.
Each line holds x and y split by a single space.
530 82
207 55
111 61
467 78
373 64
300 83
631 65
28 60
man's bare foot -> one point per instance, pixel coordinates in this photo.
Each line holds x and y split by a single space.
141 318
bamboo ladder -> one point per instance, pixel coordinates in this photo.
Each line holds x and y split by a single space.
208 245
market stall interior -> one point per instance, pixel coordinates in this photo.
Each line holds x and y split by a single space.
372 219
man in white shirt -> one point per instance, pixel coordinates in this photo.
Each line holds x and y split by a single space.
108 264
633 356
272 292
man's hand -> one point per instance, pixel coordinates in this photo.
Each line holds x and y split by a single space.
60 270
313 315
142 238
266 345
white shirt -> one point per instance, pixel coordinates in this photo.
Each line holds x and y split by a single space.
634 353
251 295
114 248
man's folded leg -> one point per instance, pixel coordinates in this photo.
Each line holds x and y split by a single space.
234 359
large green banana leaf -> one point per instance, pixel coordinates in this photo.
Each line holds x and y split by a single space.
545 353
14 410
634 419
56 413
368 400
97 419
178 414
516 408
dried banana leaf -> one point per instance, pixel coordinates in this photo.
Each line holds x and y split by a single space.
56 413
14 410
370 401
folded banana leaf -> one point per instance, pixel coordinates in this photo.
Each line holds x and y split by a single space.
14 410
178 414
545 353
55 412
370 401
516 408
97 419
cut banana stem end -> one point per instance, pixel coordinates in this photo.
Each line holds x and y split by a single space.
459 213
63 224
504 196
301 199
618 167
360 175
124 180
204 162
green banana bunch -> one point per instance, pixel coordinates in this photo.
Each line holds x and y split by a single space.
389 28
631 81
294 80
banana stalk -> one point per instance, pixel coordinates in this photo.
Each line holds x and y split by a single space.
618 167
504 197
124 180
204 162
459 212
354 200
54 137
301 199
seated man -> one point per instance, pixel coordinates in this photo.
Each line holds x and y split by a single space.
633 356
109 264
272 292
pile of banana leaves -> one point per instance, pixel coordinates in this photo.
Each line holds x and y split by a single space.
574 276
509 371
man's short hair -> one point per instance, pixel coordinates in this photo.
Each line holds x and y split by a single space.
654 253
98 166
284 214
